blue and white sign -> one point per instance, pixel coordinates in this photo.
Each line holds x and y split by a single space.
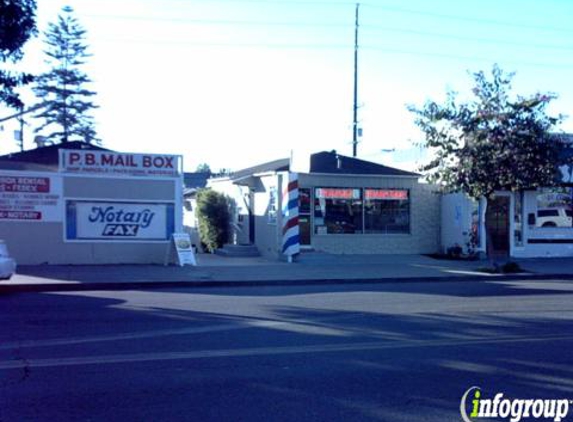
119 221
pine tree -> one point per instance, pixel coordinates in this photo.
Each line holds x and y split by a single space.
64 97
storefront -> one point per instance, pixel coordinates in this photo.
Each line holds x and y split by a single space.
540 223
525 224
345 206
79 204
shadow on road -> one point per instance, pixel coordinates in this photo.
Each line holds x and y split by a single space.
390 352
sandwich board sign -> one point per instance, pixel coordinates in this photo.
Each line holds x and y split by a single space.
184 249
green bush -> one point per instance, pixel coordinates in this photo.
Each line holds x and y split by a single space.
213 214
511 267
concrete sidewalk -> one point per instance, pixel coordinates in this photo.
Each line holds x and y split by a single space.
310 268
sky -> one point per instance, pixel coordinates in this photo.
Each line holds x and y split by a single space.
234 83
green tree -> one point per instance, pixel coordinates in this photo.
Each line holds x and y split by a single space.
491 142
17 25
65 100
214 216
203 168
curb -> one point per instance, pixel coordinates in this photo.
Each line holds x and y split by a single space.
183 284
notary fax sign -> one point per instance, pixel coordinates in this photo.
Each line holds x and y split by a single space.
119 221
109 163
30 197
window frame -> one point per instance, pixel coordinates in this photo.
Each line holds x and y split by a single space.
362 198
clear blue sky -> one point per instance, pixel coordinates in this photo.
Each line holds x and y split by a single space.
233 83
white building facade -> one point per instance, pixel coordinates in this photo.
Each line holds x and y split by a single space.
94 207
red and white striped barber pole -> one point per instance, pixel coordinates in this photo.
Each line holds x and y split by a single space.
291 239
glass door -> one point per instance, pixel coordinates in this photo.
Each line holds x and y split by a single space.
304 224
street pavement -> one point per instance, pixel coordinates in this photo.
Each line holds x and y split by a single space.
309 268
393 351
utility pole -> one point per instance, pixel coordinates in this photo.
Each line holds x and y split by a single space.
20 117
355 109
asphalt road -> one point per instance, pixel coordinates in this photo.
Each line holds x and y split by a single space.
388 352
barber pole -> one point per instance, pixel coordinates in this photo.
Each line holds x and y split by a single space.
291 241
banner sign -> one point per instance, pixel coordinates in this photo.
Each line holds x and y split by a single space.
337 193
113 221
385 194
30 197
184 249
109 163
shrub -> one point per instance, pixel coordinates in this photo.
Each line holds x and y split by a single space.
454 252
511 267
213 214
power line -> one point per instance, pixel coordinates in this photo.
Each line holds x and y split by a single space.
221 21
375 48
322 24
372 27
467 18
469 58
232 45
472 39
271 2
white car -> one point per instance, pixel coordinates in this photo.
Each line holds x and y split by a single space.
554 217
7 264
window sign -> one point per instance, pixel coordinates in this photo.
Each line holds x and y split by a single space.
386 211
337 193
554 208
385 194
338 211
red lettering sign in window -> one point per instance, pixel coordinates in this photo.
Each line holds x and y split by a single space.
337 193
386 194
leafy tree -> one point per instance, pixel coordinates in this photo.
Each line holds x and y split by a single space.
203 168
492 142
64 97
17 25
213 213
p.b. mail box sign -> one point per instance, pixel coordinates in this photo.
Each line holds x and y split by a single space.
109 163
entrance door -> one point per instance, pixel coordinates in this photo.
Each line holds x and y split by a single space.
304 216
251 217
497 225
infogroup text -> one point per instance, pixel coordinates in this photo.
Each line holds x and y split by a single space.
473 406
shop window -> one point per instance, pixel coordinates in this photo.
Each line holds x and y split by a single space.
304 201
338 211
554 208
386 211
272 207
